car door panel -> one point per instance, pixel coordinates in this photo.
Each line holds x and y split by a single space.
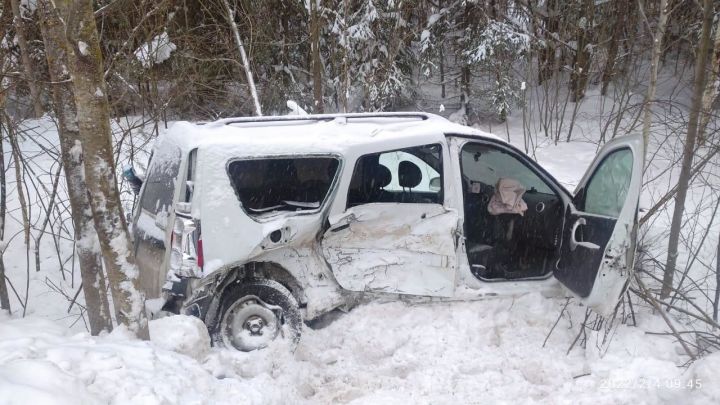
541 224
150 230
598 244
596 230
397 248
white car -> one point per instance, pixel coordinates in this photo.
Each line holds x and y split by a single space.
256 224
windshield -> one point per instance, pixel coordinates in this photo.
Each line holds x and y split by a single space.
282 184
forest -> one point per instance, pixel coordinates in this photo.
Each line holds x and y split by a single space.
87 86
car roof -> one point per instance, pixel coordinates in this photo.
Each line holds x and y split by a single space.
325 133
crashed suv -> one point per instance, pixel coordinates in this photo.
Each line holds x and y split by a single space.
257 224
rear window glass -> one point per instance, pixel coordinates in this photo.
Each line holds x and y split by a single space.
282 184
160 181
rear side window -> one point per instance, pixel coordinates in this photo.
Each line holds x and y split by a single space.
282 184
411 175
160 181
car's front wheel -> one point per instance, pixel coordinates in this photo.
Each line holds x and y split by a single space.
255 313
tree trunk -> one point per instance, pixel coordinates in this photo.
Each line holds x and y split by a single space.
546 57
95 144
583 57
711 88
654 67
19 178
315 57
25 59
441 59
621 10
4 24
4 298
87 244
245 62
716 302
688 150
345 80
465 72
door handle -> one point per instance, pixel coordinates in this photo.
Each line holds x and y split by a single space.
574 243
340 228
342 222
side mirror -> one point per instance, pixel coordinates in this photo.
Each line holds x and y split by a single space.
132 178
435 185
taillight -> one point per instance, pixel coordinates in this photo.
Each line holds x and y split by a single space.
200 258
186 258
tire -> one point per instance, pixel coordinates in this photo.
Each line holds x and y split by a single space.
255 313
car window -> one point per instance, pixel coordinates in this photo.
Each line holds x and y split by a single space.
410 175
160 181
282 184
487 164
607 189
392 160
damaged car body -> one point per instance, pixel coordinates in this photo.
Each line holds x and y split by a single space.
256 224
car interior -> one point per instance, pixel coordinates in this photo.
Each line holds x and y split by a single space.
401 176
508 245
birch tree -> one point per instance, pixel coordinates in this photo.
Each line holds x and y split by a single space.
4 297
657 51
4 24
230 13
315 57
712 87
688 150
94 143
87 244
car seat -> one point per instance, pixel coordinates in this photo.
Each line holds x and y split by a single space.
409 177
381 177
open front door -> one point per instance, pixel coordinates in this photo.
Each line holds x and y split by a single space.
394 248
598 243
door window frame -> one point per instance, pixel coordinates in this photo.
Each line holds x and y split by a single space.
578 199
533 166
562 193
441 172
330 196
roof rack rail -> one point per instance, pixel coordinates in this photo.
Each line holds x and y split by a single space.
321 117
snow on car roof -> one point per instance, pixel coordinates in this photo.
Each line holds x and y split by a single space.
333 133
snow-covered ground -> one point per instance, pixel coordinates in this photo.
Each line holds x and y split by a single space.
491 351
390 353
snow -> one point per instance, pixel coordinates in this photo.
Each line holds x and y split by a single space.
459 116
40 382
156 51
43 364
295 109
465 352
703 372
182 334
498 36
433 19
28 7
83 47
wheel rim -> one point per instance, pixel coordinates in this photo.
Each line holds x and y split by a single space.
249 324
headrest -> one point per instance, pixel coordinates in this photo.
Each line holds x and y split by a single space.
409 174
381 176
